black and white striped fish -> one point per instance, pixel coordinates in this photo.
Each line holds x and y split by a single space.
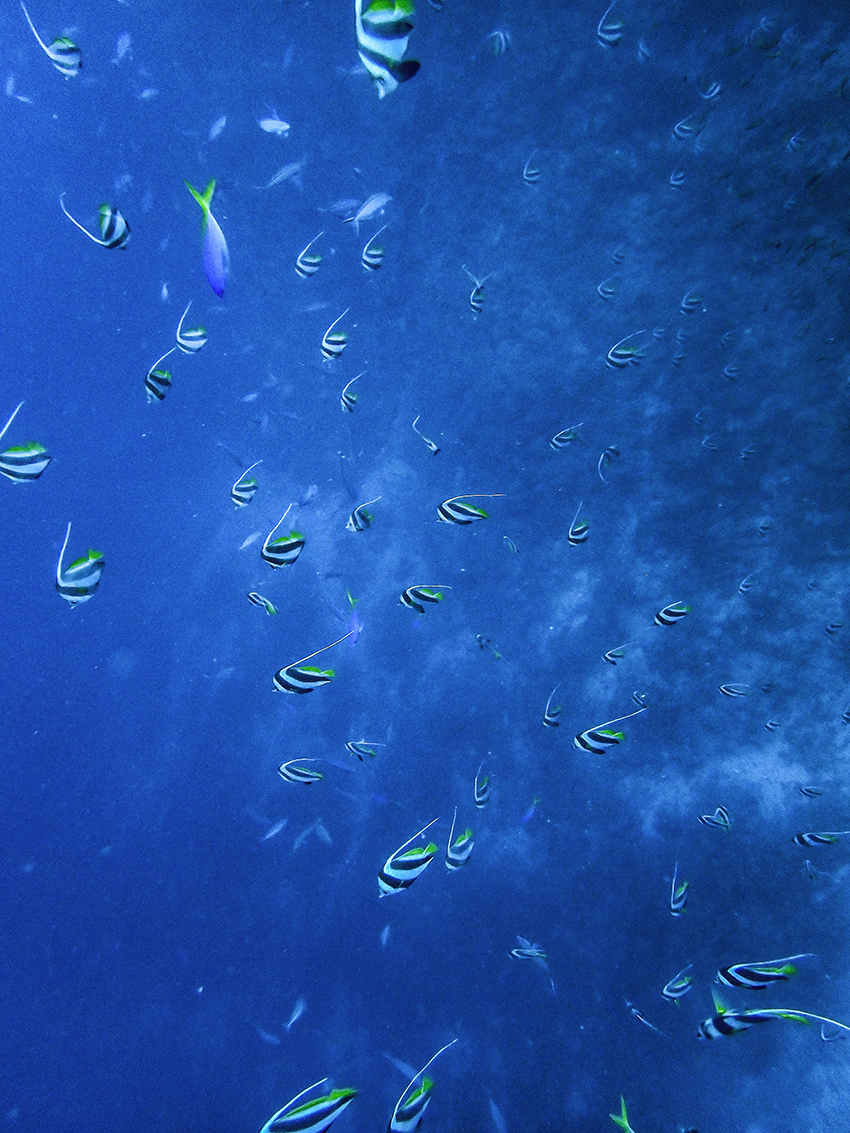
21 463
245 488
78 582
293 773
334 341
258 600
562 439
452 511
458 851
822 838
284 550
414 596
192 339
383 29
372 255
720 819
678 894
597 740
431 445
669 615
476 296
411 1106
579 529
552 713
349 400
301 678
481 789
757 974
361 748
310 1117
63 53
360 518
401 868
308 262
679 986
114 229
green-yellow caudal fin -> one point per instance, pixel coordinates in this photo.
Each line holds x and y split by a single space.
204 199
622 1119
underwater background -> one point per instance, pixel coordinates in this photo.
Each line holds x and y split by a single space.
671 175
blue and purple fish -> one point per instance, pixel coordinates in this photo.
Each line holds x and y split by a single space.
216 256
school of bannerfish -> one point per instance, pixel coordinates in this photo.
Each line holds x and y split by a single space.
382 30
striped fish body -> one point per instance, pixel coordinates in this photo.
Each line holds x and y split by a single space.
401 870
302 678
190 341
755 977
24 462
258 600
414 596
482 793
283 551
333 344
78 582
359 520
551 717
65 56
731 1022
679 898
407 1115
719 820
457 512
372 257
671 614
243 491
114 229
614 655
578 532
459 850
597 740
359 748
293 774
157 384
308 264
382 33
312 1117
815 839
562 439
348 401
678 987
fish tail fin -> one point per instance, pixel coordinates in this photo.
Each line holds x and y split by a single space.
204 199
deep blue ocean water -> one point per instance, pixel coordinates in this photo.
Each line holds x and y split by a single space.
154 942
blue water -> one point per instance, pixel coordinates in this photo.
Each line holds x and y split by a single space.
154 944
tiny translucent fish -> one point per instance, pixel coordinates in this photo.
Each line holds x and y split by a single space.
361 748
22 463
458 851
63 53
691 302
669 615
679 986
678 894
292 773
274 124
349 400
216 255
579 529
402 868
598 739
452 511
372 255
310 1117
258 600
609 30
719 820
244 490
476 296
617 654
217 128
191 340
284 550
308 262
301 678
360 518
486 643
481 789
78 582
334 341
530 172
622 1119
822 838
431 445
414 596
562 439
411 1106
734 690
298 1010
114 229
510 544
625 353
552 712
606 460
757 974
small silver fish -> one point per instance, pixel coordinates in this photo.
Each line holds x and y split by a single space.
216 128
290 172
274 125
369 207
297 1011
